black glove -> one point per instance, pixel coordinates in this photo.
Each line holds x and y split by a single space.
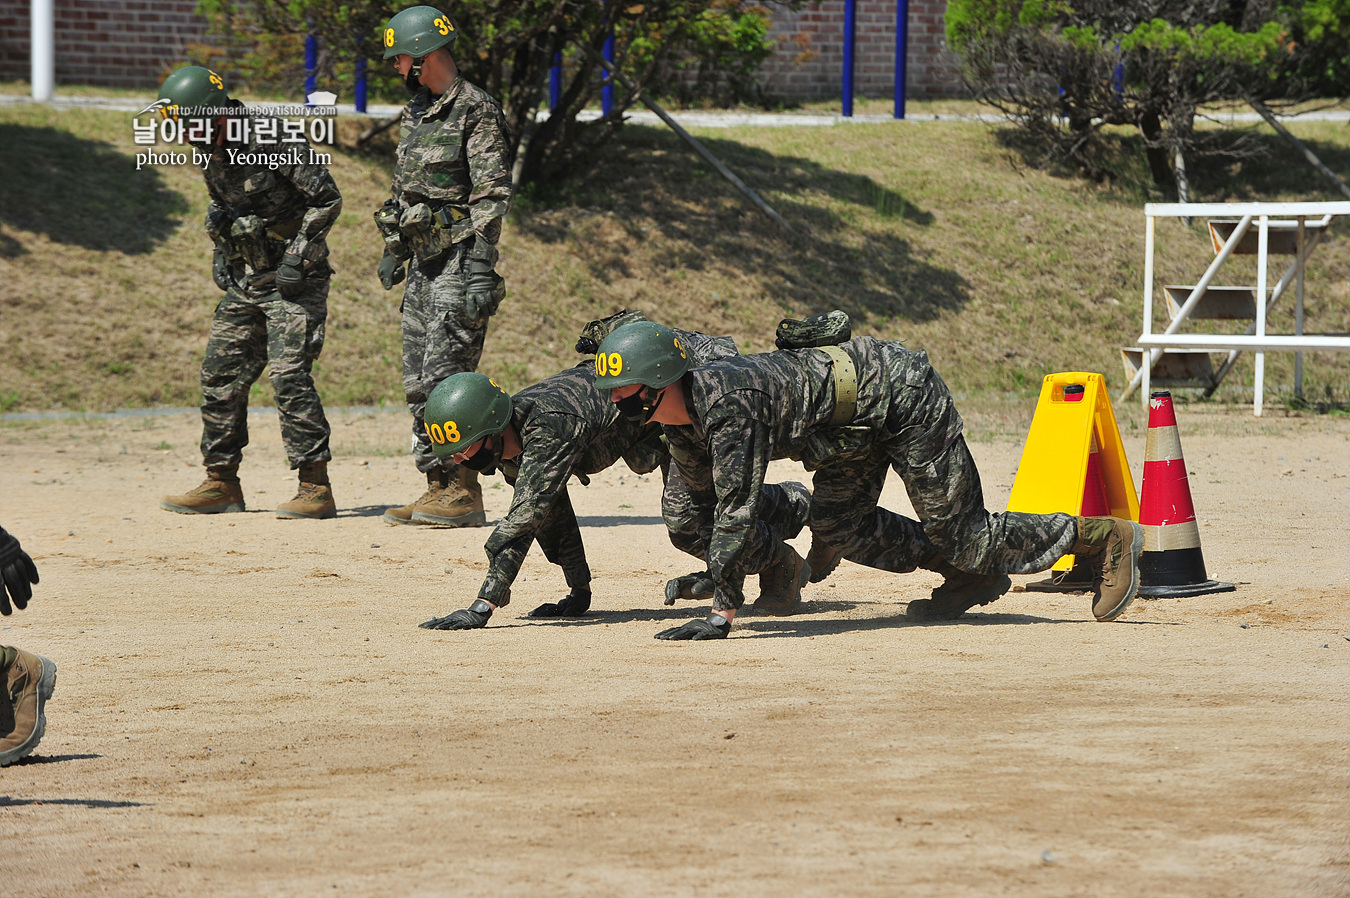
484 290
698 585
17 571
291 275
574 604
391 271
475 617
220 269
715 627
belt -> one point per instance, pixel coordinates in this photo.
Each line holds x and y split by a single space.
845 376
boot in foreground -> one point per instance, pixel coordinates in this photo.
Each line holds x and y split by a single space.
823 558
219 493
780 586
1113 547
459 505
29 681
315 497
960 591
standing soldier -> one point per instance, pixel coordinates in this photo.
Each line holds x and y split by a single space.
850 413
452 187
269 226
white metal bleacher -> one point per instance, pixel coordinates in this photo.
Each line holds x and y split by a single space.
1175 359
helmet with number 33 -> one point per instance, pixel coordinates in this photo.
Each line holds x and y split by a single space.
463 409
191 87
643 352
417 31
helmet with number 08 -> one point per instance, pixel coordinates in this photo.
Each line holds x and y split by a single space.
191 87
643 352
463 409
417 31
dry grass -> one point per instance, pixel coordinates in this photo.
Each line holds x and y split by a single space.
946 235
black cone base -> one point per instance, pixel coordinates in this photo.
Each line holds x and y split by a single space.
1176 574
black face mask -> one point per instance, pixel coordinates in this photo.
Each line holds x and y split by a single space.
411 80
486 459
639 408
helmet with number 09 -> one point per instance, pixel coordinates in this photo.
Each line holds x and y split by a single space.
191 87
463 409
643 352
417 31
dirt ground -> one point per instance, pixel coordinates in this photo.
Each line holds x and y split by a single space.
246 706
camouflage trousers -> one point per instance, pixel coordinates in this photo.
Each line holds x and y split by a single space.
284 335
435 343
923 443
783 511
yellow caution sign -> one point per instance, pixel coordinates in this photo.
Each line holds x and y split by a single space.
1055 475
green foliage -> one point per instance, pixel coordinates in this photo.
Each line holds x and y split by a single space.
508 49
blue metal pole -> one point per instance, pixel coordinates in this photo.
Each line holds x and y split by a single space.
555 82
849 19
901 54
311 63
360 92
607 92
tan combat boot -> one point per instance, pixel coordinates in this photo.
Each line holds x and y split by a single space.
315 497
437 479
960 591
823 559
780 585
29 680
460 505
219 493
1112 546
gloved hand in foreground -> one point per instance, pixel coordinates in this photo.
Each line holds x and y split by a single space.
391 271
574 604
291 275
715 627
484 289
475 617
17 572
698 585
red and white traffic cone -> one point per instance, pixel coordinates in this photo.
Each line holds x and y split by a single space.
1172 565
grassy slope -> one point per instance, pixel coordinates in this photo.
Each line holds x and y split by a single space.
935 233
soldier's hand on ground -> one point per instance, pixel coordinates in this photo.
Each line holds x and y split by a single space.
715 627
391 271
17 572
475 617
291 275
220 269
484 289
574 604
698 585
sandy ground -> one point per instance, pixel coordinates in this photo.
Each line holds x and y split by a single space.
246 706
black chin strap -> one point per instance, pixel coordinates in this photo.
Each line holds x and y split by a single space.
650 408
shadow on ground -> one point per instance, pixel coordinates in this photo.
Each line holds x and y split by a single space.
81 192
863 265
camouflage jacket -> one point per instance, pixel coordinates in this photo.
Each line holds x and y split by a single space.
566 426
297 202
454 150
752 409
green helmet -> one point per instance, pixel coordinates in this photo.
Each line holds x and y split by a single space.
463 409
417 31
191 87
644 353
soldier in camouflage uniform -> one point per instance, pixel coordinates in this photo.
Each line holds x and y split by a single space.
849 413
269 226
560 427
452 188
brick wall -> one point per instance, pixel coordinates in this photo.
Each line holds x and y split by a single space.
808 64
117 43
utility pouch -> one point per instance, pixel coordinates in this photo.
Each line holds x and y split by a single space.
386 222
418 225
821 330
249 239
